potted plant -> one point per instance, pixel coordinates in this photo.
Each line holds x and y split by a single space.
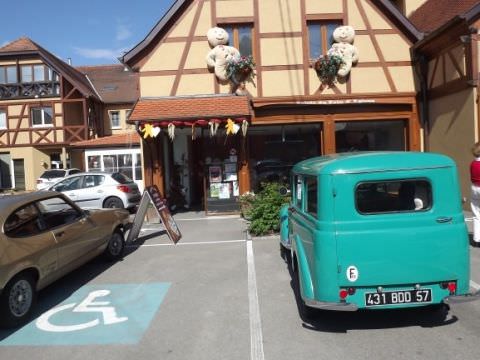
240 69
327 67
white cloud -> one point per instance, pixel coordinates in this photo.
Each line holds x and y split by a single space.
4 43
123 32
99 53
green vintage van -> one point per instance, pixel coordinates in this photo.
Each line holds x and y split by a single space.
376 230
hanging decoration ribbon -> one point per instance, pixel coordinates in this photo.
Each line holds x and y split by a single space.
244 127
213 125
171 131
194 133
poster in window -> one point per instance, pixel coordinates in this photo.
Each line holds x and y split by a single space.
230 168
215 174
230 176
224 191
215 190
236 190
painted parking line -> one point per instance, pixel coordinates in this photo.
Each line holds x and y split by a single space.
474 285
93 315
189 243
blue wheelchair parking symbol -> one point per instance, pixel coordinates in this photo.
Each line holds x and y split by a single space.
96 314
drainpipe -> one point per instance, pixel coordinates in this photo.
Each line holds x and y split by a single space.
420 65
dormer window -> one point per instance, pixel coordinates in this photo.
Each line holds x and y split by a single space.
37 73
8 74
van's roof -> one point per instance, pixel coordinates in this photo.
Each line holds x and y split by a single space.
374 161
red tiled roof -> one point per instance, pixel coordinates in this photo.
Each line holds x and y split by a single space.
126 139
435 13
21 44
190 108
113 83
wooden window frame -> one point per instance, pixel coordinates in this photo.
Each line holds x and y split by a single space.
43 116
323 33
235 42
32 68
4 111
110 115
5 72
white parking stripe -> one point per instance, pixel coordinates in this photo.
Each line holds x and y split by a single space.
474 285
256 337
190 243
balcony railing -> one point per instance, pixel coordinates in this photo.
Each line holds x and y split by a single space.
30 90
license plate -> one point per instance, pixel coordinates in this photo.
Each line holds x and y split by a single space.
398 297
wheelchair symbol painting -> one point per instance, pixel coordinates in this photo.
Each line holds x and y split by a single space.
106 312
94 314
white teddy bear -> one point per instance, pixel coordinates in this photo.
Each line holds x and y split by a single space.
344 35
221 53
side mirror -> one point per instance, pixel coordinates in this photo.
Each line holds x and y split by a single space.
283 191
59 188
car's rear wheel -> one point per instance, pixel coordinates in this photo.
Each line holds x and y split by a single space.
113 202
306 312
17 300
115 247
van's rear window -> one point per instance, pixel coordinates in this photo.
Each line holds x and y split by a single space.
393 196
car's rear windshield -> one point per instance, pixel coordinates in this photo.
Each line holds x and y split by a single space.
393 196
53 174
121 178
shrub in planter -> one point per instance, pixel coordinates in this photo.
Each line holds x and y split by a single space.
246 202
266 205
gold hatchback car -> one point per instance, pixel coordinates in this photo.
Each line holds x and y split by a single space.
43 237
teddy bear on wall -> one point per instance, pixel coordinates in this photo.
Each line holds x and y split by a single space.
220 54
344 48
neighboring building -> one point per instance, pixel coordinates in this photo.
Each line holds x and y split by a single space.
45 106
448 62
286 114
407 7
117 88
52 114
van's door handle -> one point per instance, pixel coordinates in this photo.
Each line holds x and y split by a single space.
444 219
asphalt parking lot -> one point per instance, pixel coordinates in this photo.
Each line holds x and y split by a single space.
220 295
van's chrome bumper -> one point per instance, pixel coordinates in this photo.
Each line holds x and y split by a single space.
456 299
331 305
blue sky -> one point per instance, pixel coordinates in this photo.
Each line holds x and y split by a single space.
90 32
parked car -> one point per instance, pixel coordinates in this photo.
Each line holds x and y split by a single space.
94 190
50 177
44 236
376 230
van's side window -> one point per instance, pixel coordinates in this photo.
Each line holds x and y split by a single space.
393 196
311 185
298 191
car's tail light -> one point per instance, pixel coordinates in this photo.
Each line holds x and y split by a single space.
123 188
451 286
39 181
343 294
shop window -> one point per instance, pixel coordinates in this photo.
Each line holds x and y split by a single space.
115 119
42 116
370 135
275 149
138 167
3 119
240 36
320 36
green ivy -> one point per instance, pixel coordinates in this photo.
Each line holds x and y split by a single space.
263 215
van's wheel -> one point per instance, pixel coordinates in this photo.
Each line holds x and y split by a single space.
17 300
113 202
285 253
306 312
115 247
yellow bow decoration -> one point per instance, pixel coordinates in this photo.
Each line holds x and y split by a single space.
147 131
229 126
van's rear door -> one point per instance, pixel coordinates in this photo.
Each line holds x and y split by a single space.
381 245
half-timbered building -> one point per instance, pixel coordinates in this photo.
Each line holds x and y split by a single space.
448 67
288 111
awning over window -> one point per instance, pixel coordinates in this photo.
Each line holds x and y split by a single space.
184 111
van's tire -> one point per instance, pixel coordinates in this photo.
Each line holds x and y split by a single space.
306 313
115 247
285 253
113 202
17 300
